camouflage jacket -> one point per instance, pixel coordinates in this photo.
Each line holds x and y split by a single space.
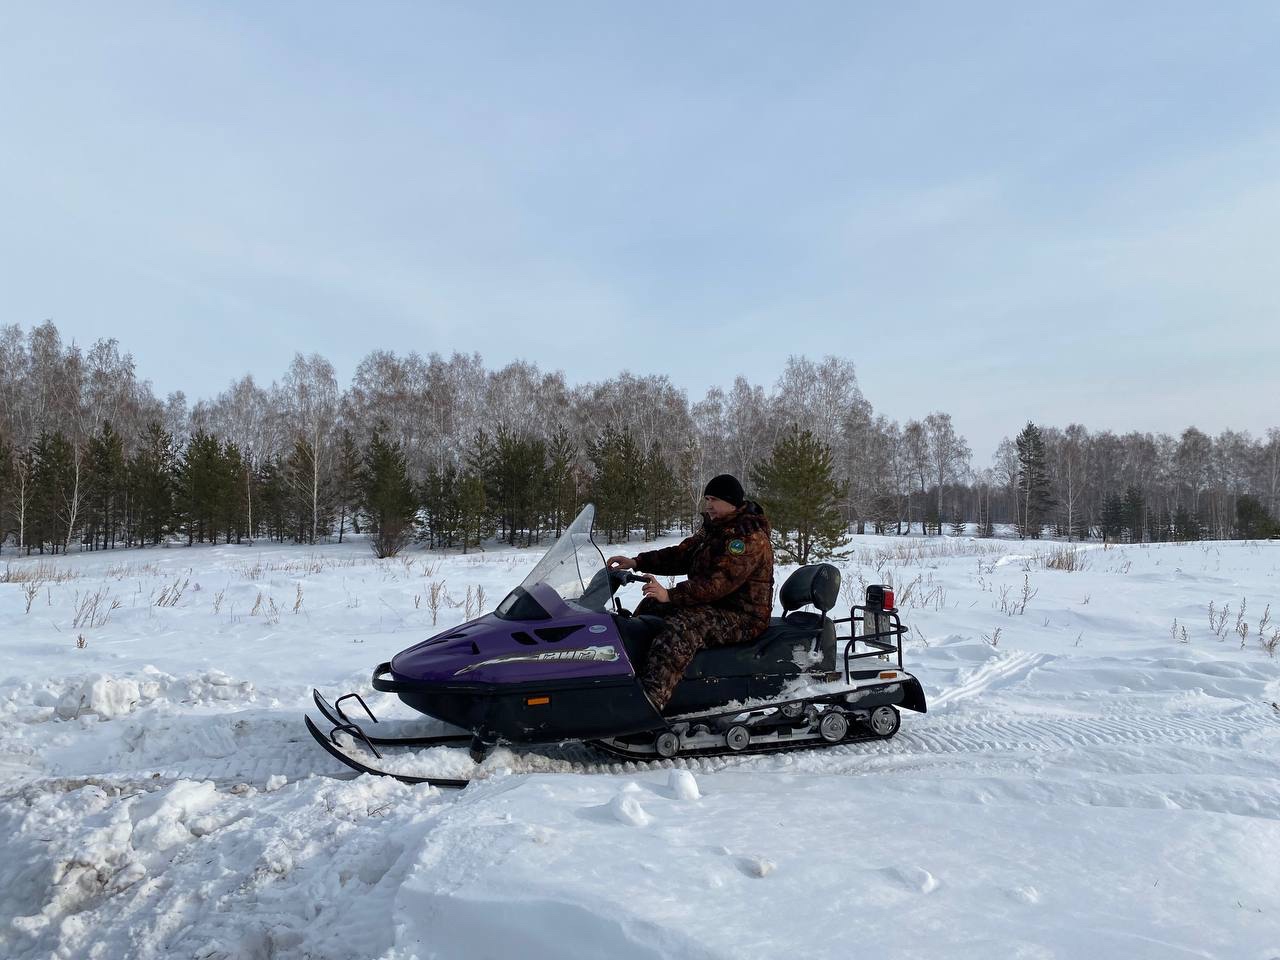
729 564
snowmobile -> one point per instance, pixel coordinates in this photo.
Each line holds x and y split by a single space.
558 659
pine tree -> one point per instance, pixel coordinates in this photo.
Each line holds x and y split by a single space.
799 493
883 511
1252 520
387 498
562 488
475 524
273 500
932 522
438 495
480 460
39 497
1113 517
346 493
52 482
199 489
1185 525
1034 500
661 493
151 478
516 484
107 486
616 487
1134 513
1079 529
232 504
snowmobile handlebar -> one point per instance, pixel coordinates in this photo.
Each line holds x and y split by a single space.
624 577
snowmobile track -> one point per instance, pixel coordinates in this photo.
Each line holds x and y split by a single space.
999 672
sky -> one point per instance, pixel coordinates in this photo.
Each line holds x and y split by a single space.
1008 212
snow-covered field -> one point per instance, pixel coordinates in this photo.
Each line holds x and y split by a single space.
1090 782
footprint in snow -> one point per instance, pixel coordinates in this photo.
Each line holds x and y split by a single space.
542 835
1028 895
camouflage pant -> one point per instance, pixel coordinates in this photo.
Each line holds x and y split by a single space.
687 631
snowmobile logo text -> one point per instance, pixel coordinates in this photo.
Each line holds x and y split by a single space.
606 654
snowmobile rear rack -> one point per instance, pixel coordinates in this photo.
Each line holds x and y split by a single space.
885 639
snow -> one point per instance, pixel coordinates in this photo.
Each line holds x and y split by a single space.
1086 782
683 785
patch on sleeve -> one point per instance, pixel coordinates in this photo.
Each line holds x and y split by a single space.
737 547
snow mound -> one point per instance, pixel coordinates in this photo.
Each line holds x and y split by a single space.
683 785
758 867
625 808
109 697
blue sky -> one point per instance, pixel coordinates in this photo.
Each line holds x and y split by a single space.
1004 211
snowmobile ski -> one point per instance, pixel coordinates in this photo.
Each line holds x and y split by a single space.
333 713
331 747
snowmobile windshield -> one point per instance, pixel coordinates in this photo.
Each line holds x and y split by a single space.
574 568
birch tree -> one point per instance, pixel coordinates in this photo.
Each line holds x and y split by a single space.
246 416
1069 461
915 444
310 394
948 453
1270 461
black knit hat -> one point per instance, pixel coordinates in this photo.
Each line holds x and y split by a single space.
727 488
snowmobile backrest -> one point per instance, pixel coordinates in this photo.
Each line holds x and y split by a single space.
815 583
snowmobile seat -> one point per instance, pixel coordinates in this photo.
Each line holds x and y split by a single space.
815 584
774 651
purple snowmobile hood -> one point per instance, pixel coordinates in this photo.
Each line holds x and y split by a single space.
572 644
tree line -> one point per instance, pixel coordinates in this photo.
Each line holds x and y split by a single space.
90 458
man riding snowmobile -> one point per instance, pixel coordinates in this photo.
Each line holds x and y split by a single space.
559 660
728 596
